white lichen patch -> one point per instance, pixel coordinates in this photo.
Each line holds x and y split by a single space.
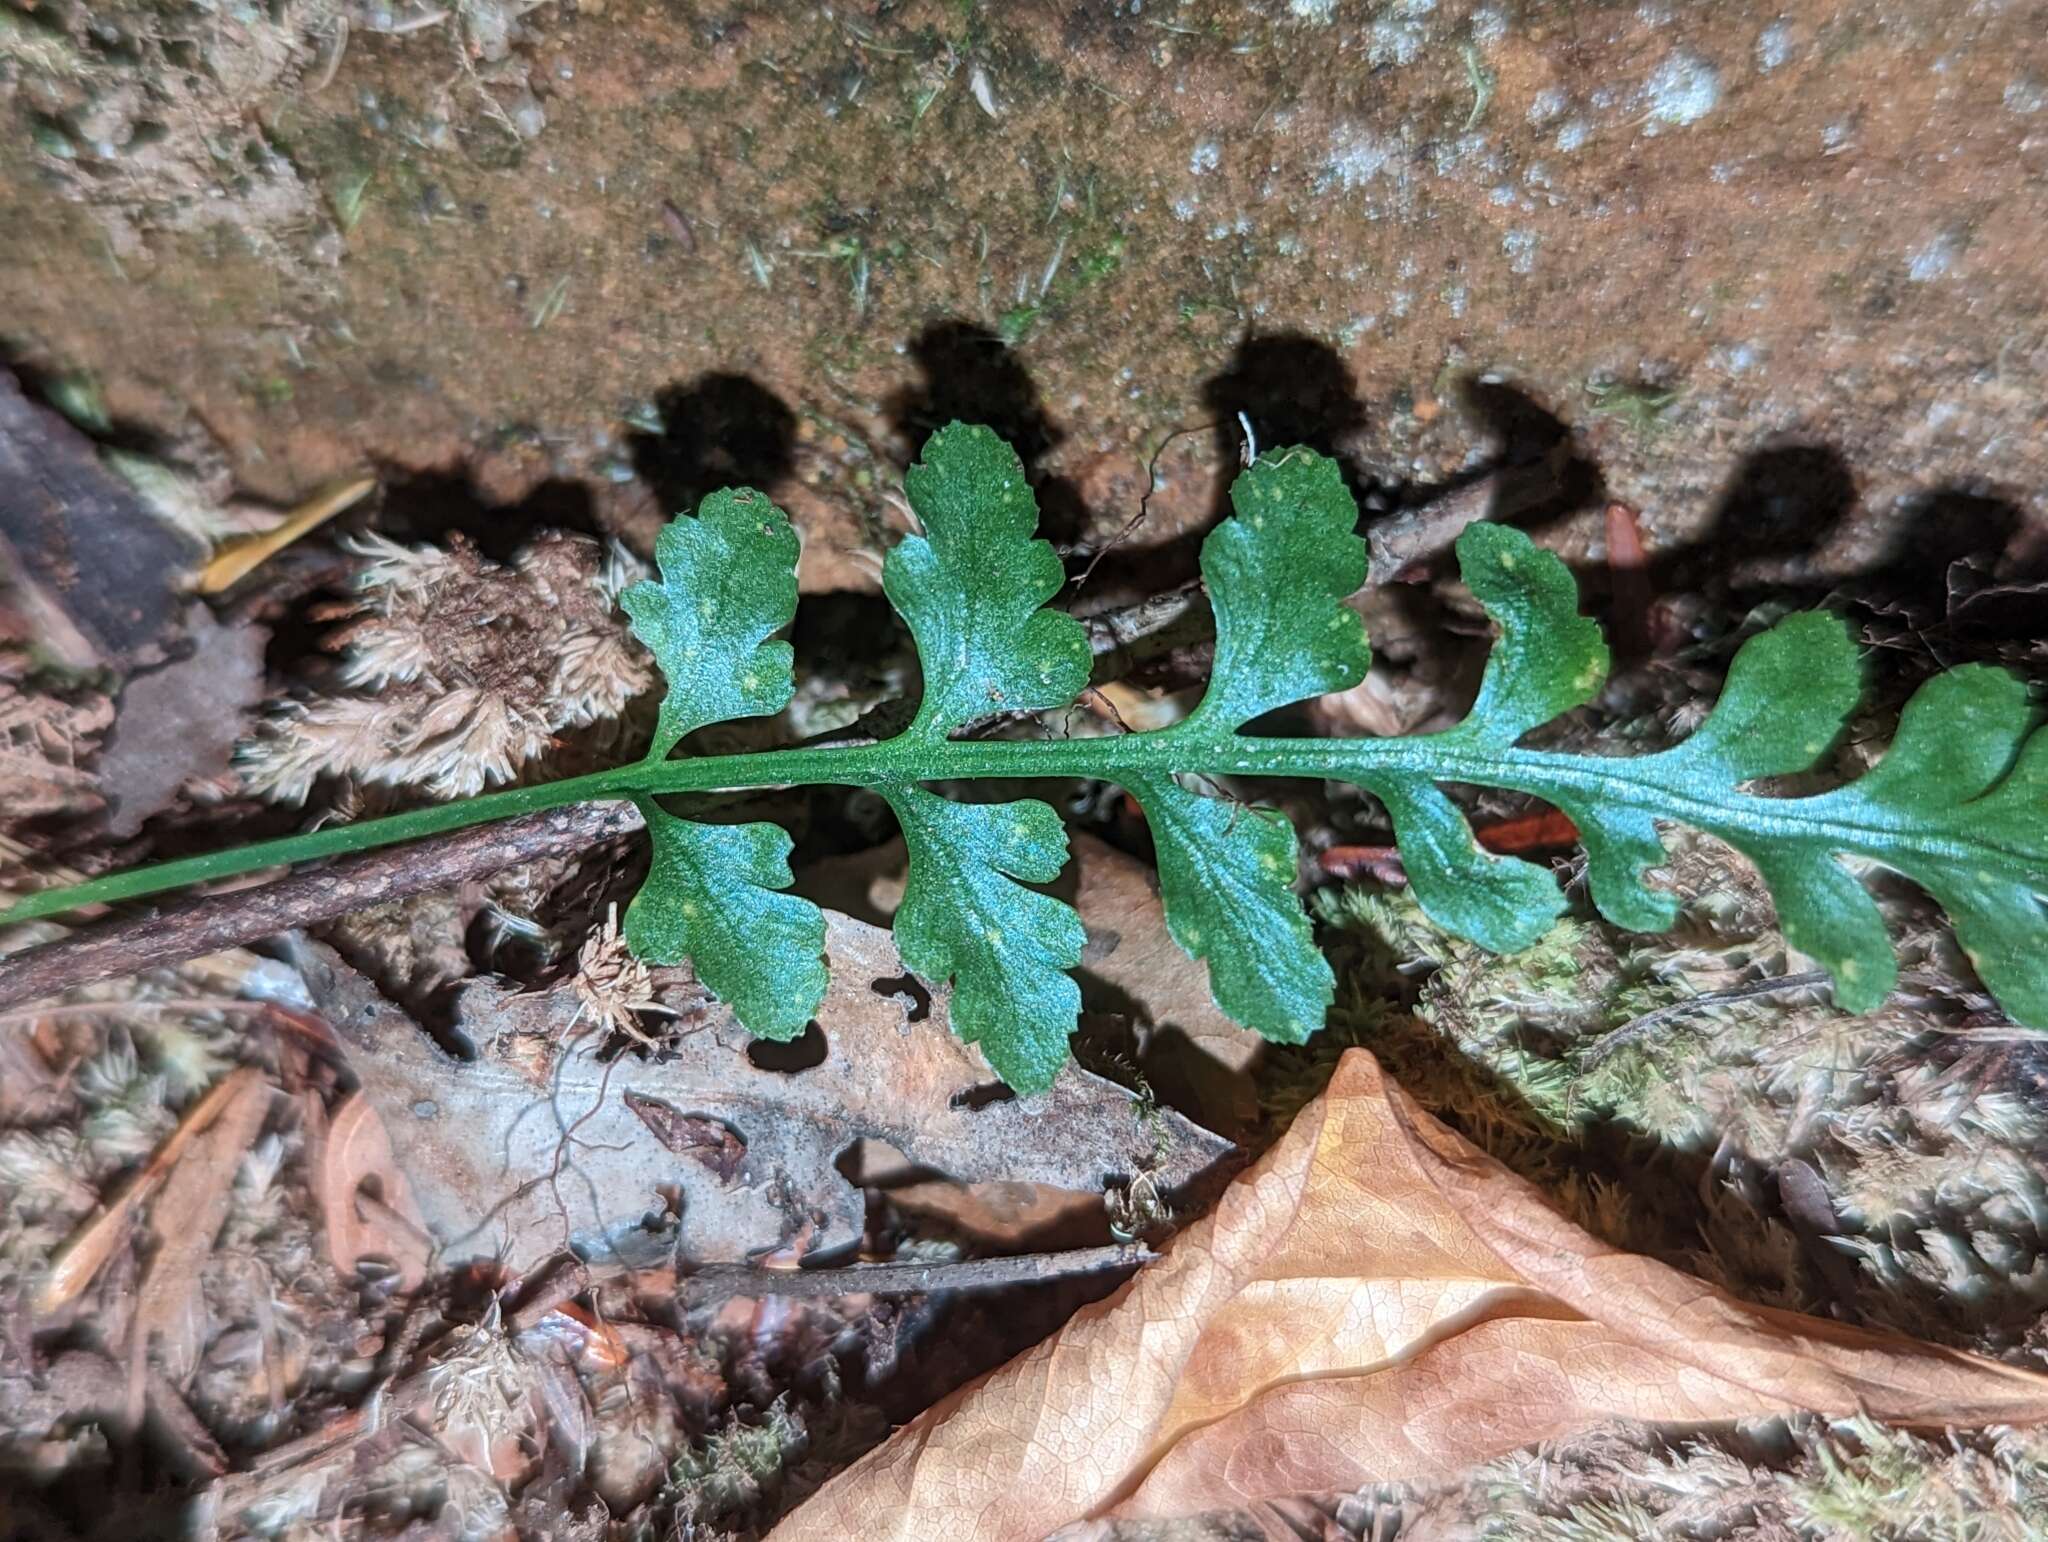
1933 259
2026 96
1774 47
1357 157
1520 247
1400 33
1682 90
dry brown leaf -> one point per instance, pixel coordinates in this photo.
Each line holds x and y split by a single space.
1376 1299
355 1153
186 1217
506 1169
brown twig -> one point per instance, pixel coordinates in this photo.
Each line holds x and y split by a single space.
1404 544
720 1282
1642 1027
1131 635
206 925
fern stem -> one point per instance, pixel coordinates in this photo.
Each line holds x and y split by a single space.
334 840
912 757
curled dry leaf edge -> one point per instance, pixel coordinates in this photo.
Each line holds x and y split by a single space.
1375 1300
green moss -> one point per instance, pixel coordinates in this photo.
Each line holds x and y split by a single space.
1015 324
735 1470
1638 405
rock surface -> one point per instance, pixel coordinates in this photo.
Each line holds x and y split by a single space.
1776 265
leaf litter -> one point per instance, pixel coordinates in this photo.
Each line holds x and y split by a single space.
1375 1296
499 1399
545 1141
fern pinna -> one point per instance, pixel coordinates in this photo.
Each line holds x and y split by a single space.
1959 804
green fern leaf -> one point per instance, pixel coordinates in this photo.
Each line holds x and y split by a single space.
1959 804
973 588
728 583
1277 574
710 899
1226 877
967 917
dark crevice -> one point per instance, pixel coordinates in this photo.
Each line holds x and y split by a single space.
802 1053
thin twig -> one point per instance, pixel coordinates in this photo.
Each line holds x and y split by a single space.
719 1282
1642 1027
1405 543
206 925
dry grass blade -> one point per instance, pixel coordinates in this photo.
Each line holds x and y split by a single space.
1376 1300
238 559
186 1217
104 1234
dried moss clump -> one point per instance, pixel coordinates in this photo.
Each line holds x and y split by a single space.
459 673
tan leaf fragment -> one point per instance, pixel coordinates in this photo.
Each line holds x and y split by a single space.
365 1198
187 1216
1376 1299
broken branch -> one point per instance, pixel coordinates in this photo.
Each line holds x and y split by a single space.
124 947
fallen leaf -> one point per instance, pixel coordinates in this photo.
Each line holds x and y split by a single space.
180 723
170 1313
502 1168
356 1154
1375 1300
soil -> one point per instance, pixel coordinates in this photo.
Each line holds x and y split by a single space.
1775 266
